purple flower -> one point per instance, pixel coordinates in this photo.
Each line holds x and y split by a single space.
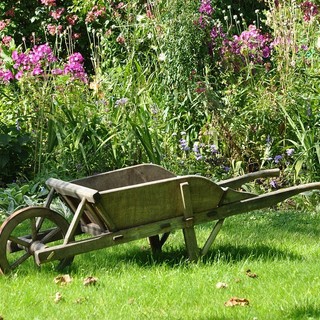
277 158
213 149
206 7
75 68
250 45
76 57
6 76
289 152
273 184
57 71
226 168
121 102
184 145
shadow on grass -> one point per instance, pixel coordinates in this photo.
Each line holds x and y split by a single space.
309 312
178 257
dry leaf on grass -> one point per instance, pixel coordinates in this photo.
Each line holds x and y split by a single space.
90 281
250 274
1 318
234 301
221 285
62 280
58 297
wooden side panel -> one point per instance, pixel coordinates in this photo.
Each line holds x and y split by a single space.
125 177
159 200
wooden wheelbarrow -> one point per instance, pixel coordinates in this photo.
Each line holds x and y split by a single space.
125 205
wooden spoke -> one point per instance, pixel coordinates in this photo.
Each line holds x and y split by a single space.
20 241
33 228
20 260
49 236
39 223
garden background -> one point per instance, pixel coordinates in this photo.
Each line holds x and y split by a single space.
216 88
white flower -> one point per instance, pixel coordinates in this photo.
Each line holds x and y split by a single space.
140 17
162 56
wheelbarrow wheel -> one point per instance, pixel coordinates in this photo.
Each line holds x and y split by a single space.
28 230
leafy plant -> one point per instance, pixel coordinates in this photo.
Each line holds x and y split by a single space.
15 146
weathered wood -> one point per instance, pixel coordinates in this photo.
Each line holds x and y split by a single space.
130 204
262 201
75 222
237 182
73 190
188 232
107 240
125 177
26 243
212 237
158 200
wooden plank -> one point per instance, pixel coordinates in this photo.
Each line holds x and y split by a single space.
158 200
125 177
73 190
75 222
189 232
261 201
107 240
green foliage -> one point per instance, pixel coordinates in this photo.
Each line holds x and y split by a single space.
15 146
16 196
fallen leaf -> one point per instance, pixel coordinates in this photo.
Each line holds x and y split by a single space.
1 318
250 274
90 281
221 285
58 297
234 301
131 300
62 280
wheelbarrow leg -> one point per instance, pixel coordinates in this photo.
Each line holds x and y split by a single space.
212 237
156 242
189 232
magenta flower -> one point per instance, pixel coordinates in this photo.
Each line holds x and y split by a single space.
206 7
251 45
6 76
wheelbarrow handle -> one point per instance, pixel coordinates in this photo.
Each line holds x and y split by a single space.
237 182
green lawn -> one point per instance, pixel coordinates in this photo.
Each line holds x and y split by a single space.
281 248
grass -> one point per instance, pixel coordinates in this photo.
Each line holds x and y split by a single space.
280 247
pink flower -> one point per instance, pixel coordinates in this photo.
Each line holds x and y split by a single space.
4 24
76 36
206 7
51 3
309 9
6 40
72 19
57 13
6 76
95 13
57 71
